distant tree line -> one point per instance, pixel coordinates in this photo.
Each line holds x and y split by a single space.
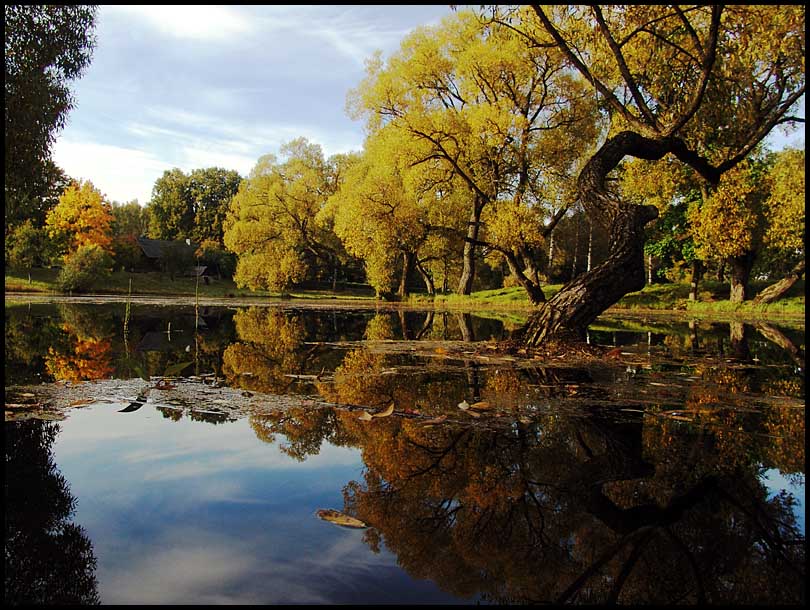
602 147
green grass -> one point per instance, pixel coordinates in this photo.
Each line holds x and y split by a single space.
500 298
159 284
713 300
713 296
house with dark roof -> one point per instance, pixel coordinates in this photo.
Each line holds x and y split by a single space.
170 255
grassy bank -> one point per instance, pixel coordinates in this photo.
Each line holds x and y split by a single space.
713 300
159 284
713 296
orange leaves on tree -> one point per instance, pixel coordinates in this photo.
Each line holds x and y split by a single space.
81 218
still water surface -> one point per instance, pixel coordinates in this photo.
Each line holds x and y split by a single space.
676 478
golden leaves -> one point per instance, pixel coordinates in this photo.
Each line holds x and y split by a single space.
81 218
366 416
338 518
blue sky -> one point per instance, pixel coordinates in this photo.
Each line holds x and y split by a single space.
204 86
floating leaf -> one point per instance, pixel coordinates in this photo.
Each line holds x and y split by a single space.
463 405
435 420
387 412
19 405
80 403
365 416
481 406
27 395
473 413
175 369
341 519
440 350
164 385
614 353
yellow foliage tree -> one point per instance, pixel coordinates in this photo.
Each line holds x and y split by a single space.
273 224
499 115
81 218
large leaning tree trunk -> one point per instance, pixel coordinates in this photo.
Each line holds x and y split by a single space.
568 313
777 290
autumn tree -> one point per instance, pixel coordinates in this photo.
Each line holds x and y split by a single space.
81 218
275 225
46 48
784 211
704 84
489 110
729 225
385 214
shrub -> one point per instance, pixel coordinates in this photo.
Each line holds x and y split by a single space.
83 268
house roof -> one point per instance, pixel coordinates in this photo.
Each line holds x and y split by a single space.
154 248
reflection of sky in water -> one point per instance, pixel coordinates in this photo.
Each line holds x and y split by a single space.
189 512
775 483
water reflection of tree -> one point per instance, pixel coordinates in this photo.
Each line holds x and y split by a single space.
87 352
49 560
570 511
28 335
270 347
593 508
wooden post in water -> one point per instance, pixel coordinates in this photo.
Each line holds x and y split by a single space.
196 302
126 313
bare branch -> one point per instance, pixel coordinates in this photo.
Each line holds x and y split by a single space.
624 70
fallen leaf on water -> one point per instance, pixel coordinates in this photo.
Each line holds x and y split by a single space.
341 519
387 412
614 353
482 405
440 350
79 403
365 416
463 405
473 413
435 420
133 406
19 405
27 395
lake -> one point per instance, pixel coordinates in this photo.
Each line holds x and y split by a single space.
195 453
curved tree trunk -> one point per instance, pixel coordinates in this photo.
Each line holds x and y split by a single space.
536 295
465 326
465 283
426 277
772 333
569 312
777 290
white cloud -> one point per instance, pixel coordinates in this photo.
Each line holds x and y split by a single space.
120 173
203 22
